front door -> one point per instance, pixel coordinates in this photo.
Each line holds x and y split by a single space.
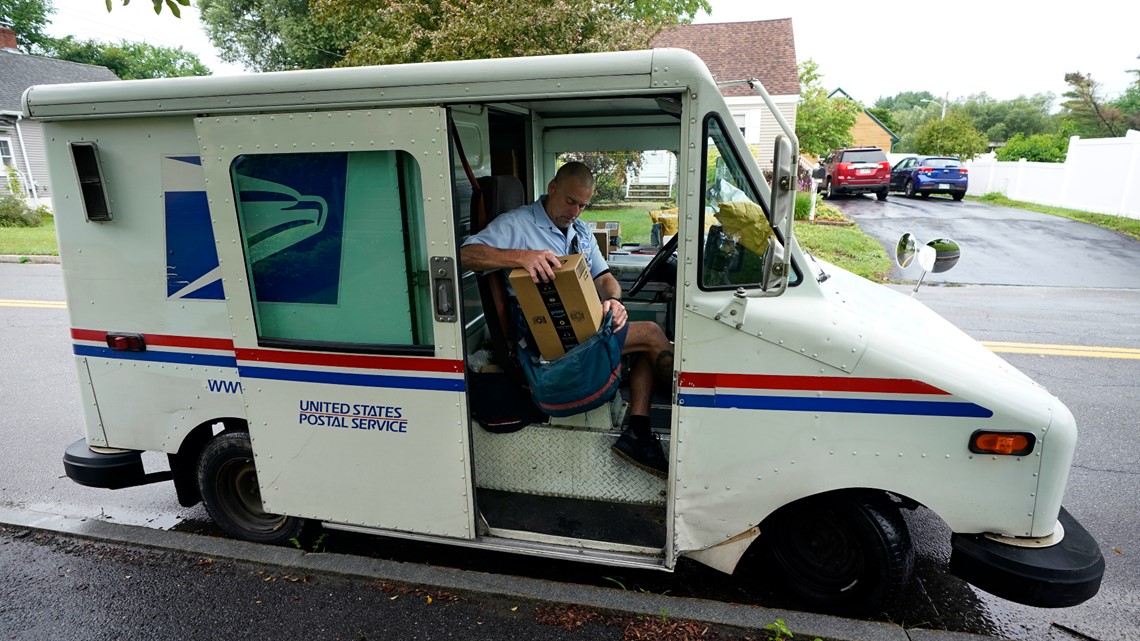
337 246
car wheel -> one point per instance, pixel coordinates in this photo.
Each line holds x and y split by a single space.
882 195
828 190
227 480
958 196
846 552
909 189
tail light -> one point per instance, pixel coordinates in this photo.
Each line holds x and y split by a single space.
1006 443
925 170
963 170
885 165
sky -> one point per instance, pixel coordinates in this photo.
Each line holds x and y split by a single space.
1004 48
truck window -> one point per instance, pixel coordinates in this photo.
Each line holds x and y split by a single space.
728 259
335 250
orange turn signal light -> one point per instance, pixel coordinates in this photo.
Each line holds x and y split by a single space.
1006 443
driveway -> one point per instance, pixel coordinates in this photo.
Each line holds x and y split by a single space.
1001 245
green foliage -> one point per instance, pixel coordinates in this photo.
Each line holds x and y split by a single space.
904 101
954 136
28 18
130 60
173 5
1087 111
822 123
1000 119
15 212
884 116
1035 148
30 241
779 630
1129 102
274 35
385 32
610 170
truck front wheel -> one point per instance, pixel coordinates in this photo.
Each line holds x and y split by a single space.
228 482
847 552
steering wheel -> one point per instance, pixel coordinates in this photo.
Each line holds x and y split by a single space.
657 264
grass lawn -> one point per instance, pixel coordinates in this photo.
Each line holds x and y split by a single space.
1126 226
30 241
847 247
634 219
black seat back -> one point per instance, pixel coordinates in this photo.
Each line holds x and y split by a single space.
499 194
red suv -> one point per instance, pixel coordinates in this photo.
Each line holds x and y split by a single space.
855 170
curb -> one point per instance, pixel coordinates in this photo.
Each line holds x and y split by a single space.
748 617
31 258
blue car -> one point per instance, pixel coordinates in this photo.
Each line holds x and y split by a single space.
925 175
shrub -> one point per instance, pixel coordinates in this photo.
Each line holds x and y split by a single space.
14 212
1035 148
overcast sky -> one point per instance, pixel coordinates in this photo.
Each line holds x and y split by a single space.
1005 48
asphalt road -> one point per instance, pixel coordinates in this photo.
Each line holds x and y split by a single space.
39 394
1001 245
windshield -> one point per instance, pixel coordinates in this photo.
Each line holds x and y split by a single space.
864 155
941 162
735 231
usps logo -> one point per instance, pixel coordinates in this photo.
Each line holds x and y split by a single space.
192 269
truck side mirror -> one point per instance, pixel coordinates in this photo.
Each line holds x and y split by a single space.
777 260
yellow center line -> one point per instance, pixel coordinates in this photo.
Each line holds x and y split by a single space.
40 304
1045 349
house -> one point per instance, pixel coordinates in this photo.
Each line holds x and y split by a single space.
868 131
762 49
22 142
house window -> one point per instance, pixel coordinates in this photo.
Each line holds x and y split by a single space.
741 122
7 163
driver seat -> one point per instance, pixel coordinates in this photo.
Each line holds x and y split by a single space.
497 194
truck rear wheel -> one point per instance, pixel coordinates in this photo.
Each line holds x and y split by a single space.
228 482
848 552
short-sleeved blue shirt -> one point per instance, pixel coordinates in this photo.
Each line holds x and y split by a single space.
529 227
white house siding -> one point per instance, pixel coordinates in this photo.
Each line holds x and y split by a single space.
761 128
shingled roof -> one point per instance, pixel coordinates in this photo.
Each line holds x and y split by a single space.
19 71
762 49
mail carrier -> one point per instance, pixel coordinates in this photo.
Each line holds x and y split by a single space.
263 283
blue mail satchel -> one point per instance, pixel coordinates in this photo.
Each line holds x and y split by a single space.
584 378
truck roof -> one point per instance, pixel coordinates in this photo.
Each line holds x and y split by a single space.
503 79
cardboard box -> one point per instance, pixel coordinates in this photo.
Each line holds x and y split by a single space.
606 239
563 312
612 225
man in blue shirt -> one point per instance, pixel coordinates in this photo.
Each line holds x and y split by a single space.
533 237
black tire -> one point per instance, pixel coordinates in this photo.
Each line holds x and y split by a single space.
909 189
881 195
958 196
848 553
829 191
228 482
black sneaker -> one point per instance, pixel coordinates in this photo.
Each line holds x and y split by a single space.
643 453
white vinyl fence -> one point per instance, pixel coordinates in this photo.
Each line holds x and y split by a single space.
1100 175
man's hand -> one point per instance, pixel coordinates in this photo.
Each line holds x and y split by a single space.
621 315
540 264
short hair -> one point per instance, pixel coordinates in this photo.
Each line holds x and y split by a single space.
577 171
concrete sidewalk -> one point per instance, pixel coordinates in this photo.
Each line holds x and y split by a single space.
491 586
39 260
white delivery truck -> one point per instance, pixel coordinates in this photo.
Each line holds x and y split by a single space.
262 282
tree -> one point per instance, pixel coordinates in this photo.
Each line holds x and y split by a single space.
1129 102
953 136
1087 110
158 4
28 19
1035 148
130 60
1000 119
822 123
274 35
885 116
428 30
904 101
